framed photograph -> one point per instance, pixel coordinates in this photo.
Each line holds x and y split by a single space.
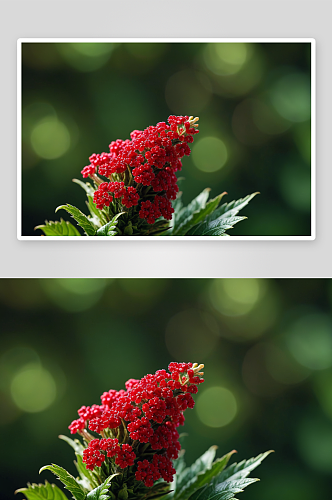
70 348
175 138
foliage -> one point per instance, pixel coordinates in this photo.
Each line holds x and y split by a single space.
45 491
145 459
202 217
58 228
205 479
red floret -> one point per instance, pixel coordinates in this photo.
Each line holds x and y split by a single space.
111 446
77 425
130 197
92 456
102 196
125 457
140 430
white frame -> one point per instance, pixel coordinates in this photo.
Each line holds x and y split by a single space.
312 41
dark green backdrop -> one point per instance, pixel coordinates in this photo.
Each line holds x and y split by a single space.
266 345
253 100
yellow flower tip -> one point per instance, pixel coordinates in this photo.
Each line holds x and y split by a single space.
193 121
197 369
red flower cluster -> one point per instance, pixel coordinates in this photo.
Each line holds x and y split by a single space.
148 411
160 206
149 472
152 157
93 456
103 197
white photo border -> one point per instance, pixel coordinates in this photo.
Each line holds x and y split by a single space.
312 42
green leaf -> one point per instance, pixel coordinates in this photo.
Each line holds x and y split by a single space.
230 481
230 209
101 492
179 464
242 469
45 491
189 475
97 216
177 204
216 227
109 229
74 443
204 477
81 219
67 479
223 491
198 215
86 186
186 213
88 479
56 228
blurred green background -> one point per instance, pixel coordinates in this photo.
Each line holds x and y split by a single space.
266 345
253 100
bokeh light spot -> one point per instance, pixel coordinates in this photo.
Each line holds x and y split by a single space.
295 185
12 361
255 374
235 297
187 92
50 138
243 124
216 407
322 382
309 339
189 335
34 113
209 154
290 96
82 286
75 294
86 57
283 368
314 438
33 388
93 49
144 288
147 51
225 58
267 120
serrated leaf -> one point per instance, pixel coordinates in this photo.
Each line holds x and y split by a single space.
230 481
215 227
58 228
204 477
86 186
198 216
189 475
101 492
74 443
227 490
67 479
40 491
242 469
97 216
88 479
109 229
81 219
230 209
186 213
